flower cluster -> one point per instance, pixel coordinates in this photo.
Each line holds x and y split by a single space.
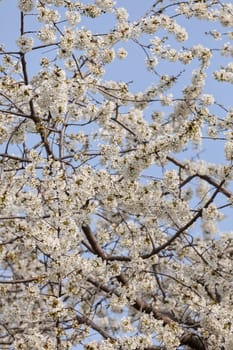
24 43
26 5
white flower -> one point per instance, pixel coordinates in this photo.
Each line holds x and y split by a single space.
203 53
166 100
108 56
122 53
26 5
73 17
24 43
226 15
209 228
91 11
185 57
215 34
207 99
180 33
228 149
68 40
151 63
105 5
121 14
211 213
48 15
126 324
151 24
47 34
44 62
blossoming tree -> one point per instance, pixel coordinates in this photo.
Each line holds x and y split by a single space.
109 234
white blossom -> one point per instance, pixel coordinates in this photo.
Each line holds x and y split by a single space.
47 34
229 150
121 14
122 53
24 43
73 17
26 5
105 5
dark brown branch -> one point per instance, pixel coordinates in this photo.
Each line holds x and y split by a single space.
207 178
193 341
186 226
85 320
20 281
6 155
93 242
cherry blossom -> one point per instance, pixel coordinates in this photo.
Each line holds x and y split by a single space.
116 150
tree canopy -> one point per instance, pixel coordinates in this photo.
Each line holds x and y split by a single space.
116 150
